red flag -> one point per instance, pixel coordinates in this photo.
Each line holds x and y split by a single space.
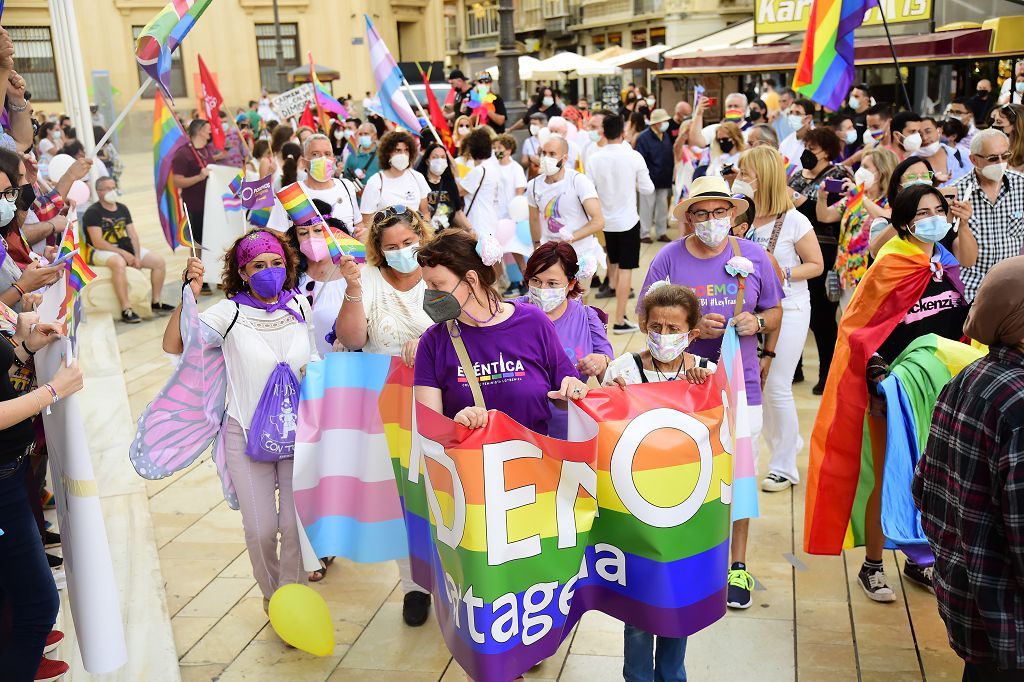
437 118
211 101
307 119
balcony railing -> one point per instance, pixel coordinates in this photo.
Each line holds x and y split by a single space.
610 11
451 33
529 16
481 26
554 9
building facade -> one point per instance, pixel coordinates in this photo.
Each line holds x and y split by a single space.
236 39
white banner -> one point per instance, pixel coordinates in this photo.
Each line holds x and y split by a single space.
92 591
292 102
220 226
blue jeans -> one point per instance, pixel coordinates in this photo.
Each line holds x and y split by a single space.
26 583
644 664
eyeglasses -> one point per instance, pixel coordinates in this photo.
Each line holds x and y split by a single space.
1007 111
701 216
996 158
915 177
390 215
11 193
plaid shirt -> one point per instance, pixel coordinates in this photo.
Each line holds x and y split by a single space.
998 227
969 486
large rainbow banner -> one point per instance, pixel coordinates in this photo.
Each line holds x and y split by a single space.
517 534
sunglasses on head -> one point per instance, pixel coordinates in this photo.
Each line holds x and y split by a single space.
1007 111
391 215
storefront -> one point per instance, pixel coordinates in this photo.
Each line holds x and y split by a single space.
936 66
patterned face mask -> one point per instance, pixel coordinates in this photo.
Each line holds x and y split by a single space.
667 347
547 299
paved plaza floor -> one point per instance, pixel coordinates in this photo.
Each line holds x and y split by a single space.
180 556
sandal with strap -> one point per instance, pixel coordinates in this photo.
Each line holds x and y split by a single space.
322 571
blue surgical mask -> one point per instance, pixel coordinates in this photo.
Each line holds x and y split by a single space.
931 229
7 211
365 141
403 260
795 121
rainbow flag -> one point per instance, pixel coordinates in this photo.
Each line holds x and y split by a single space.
394 106
838 478
79 273
325 101
162 35
168 138
236 183
300 209
259 217
911 390
825 69
342 244
344 482
630 516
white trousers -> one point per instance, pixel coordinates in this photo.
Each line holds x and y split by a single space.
781 426
654 213
405 573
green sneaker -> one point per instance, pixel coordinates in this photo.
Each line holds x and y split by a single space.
740 585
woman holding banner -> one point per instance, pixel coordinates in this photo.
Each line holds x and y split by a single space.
471 319
265 331
26 584
382 312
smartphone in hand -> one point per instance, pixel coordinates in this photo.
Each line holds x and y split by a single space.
834 185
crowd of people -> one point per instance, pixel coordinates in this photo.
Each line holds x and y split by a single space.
782 213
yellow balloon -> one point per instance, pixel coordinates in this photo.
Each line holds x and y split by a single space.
299 615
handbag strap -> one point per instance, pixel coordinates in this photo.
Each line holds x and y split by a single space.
742 280
467 365
776 230
472 201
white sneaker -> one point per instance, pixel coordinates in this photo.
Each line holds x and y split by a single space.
773 483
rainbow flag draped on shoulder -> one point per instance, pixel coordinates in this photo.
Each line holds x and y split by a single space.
168 138
825 69
517 534
840 474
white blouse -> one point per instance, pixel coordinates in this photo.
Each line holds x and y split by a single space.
254 345
392 316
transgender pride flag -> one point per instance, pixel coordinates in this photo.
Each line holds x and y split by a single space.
344 483
389 79
744 493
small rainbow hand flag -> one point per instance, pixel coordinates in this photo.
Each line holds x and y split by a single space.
343 245
259 217
297 204
236 183
79 274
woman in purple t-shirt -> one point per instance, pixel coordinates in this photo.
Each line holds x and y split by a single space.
551 274
515 352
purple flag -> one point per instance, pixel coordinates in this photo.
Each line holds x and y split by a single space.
258 193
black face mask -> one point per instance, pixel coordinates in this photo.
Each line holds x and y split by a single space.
808 160
26 197
726 146
983 93
754 115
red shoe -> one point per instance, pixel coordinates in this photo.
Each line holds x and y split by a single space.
50 670
53 640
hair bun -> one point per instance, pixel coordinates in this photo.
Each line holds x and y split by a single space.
489 250
657 284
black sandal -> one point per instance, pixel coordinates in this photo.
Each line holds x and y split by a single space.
322 571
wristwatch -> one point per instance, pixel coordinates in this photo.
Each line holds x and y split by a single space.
761 326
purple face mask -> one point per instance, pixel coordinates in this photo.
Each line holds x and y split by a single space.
267 283
315 248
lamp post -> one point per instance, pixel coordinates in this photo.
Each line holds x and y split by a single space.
508 62
278 51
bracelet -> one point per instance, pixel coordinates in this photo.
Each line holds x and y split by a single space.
15 108
35 396
28 350
765 353
53 392
21 292
789 274
354 299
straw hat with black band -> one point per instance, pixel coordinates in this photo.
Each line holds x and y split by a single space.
707 188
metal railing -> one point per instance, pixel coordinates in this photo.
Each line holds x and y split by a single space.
481 20
529 15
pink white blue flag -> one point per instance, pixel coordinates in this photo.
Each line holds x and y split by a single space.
394 106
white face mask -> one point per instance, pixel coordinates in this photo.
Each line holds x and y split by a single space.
7 210
854 102
650 101
110 197
663 127
912 142
594 135
864 177
851 136
549 165
1019 87
929 149
795 121
548 101
993 172
400 161
743 187
547 299
437 166
463 130
535 130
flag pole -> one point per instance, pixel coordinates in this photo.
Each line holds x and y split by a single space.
188 223
423 114
321 114
895 59
120 117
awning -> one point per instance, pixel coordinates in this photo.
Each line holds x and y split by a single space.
526 66
300 74
643 58
946 45
738 35
571 65
608 53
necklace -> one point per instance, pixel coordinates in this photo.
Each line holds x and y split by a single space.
483 322
664 377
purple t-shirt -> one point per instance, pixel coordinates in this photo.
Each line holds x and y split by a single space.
516 361
717 291
581 333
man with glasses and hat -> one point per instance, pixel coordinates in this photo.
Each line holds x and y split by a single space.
737 286
996 195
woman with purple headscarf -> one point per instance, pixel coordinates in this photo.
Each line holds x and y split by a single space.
265 330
